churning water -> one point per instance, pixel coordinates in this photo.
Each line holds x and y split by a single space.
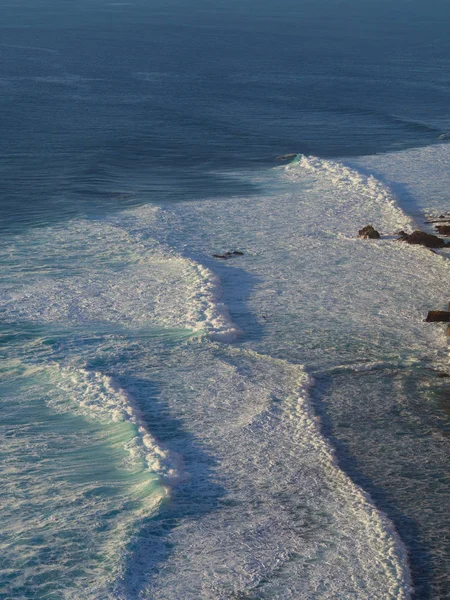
179 426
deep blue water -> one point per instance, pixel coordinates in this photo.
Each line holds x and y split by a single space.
109 104
141 457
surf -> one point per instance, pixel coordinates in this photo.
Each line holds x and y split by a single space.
219 446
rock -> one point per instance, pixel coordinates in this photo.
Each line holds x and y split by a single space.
443 229
438 316
228 254
424 239
402 235
287 156
368 232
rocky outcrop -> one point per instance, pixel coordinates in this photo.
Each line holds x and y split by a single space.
424 239
443 229
368 233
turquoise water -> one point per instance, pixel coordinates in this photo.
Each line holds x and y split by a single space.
76 482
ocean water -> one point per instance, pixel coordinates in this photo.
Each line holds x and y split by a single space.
179 426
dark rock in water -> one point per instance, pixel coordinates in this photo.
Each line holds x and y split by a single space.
424 239
443 229
287 156
226 255
402 235
442 375
368 233
438 316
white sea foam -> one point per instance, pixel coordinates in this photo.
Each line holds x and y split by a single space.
103 272
321 297
266 511
419 177
289 523
320 293
211 314
375 365
356 196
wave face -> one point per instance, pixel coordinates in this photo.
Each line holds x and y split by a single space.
98 396
182 467
75 488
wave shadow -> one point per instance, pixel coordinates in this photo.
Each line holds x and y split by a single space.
352 458
190 499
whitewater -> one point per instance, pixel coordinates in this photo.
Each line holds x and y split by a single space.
192 396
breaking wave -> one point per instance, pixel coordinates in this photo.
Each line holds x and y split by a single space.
105 273
98 396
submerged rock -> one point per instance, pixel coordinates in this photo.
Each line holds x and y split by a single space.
443 229
424 239
368 233
286 156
